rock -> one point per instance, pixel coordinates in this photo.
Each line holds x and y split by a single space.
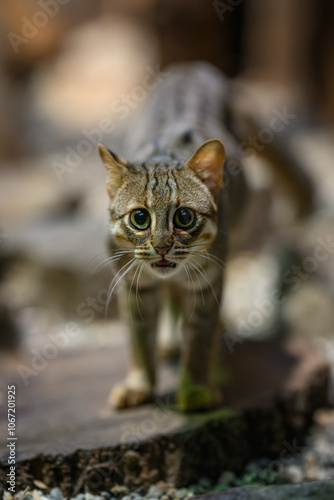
56 494
154 492
119 491
181 493
40 485
89 496
106 495
293 474
318 490
324 417
141 491
310 459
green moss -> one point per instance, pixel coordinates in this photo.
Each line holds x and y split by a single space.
191 397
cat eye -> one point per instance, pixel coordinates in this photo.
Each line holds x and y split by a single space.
140 219
184 218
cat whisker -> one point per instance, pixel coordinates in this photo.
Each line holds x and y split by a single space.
206 279
103 264
95 257
110 260
200 287
187 273
194 293
142 264
129 294
211 258
112 287
116 254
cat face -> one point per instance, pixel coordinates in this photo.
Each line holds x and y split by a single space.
165 212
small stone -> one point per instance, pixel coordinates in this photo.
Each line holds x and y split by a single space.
192 489
126 497
89 496
324 417
56 494
106 495
164 497
135 496
181 493
141 491
309 458
119 491
162 485
293 473
80 496
314 473
154 492
40 484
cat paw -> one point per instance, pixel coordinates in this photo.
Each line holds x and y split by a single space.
123 396
196 397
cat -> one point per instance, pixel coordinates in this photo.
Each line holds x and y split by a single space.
168 230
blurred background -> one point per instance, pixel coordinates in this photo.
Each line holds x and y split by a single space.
73 73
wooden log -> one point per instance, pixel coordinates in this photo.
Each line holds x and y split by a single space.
67 435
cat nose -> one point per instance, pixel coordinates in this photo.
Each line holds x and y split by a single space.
162 250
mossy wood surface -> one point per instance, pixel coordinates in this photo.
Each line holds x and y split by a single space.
68 436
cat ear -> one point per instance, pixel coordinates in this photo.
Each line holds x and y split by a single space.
115 167
207 164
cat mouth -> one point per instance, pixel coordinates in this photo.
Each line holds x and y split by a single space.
164 263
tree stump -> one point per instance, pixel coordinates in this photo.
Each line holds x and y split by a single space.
66 434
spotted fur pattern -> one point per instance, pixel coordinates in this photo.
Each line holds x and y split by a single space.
177 176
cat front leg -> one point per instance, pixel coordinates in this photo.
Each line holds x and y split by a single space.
139 309
198 390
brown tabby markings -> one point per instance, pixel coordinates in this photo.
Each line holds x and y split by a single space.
162 188
167 264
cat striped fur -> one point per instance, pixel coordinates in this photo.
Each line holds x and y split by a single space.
168 234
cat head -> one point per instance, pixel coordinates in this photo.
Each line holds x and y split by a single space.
165 212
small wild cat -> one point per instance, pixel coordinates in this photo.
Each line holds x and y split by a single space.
168 231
